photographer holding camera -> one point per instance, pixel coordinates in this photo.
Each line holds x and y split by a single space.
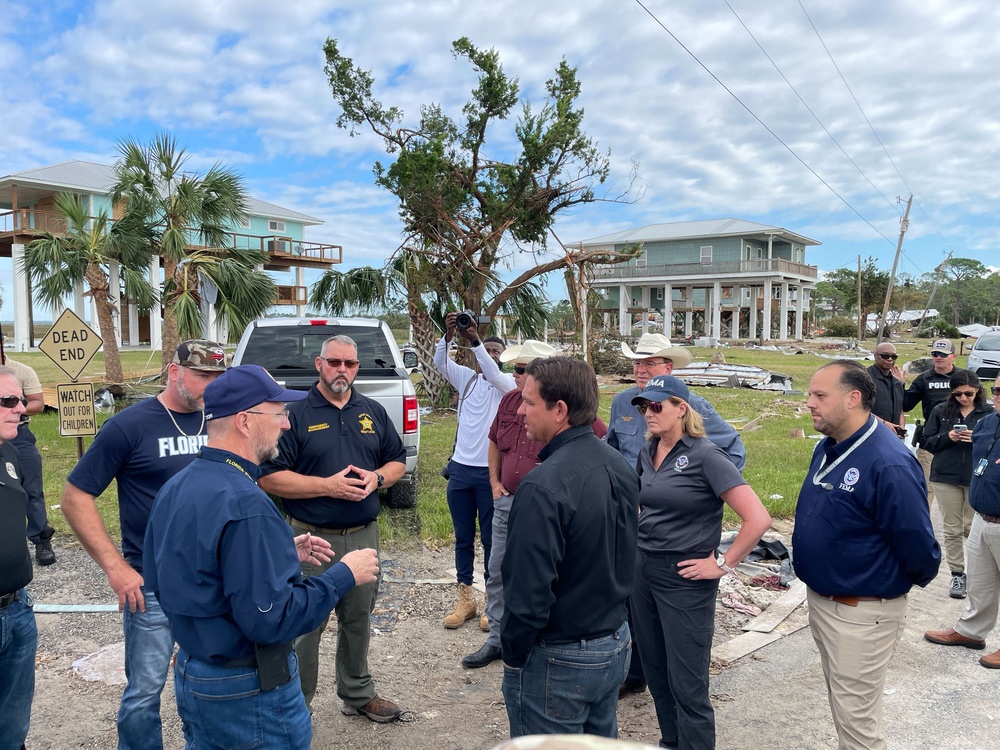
469 491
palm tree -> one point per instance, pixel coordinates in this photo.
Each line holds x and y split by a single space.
187 219
57 263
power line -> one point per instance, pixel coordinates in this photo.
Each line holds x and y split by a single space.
808 108
762 123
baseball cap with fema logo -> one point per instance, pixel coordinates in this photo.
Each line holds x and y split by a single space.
943 345
661 388
199 354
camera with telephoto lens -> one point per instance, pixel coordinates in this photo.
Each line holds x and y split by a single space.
468 319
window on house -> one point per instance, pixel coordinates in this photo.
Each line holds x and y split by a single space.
706 254
276 226
640 260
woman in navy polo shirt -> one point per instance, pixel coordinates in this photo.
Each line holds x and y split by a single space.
686 480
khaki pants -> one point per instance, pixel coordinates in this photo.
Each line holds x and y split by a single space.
855 645
925 458
956 518
355 685
984 580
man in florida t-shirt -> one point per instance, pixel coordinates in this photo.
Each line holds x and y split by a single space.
141 447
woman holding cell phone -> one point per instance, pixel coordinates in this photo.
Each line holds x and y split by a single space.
948 435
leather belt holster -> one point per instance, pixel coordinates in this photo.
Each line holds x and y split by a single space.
271 662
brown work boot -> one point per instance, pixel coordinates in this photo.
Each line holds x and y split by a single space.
952 637
465 608
484 623
377 709
991 661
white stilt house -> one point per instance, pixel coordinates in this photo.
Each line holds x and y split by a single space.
27 208
719 278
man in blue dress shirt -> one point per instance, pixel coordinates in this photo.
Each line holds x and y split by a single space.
225 568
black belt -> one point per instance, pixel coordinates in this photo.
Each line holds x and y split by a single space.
989 519
7 599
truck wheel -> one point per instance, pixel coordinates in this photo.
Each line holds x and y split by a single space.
402 494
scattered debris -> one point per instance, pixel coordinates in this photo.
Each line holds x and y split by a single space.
733 376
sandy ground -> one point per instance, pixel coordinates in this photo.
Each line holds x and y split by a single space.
414 660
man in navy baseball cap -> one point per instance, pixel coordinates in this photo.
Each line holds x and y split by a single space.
242 388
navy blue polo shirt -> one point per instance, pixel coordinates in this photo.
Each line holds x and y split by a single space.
323 440
222 563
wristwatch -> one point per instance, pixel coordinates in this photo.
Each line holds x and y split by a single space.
381 479
721 562
477 342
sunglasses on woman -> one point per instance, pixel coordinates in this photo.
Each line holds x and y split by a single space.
9 402
654 406
964 394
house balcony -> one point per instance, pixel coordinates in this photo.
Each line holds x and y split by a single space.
283 253
290 295
775 269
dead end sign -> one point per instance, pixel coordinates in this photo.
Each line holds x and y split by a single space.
70 343
75 402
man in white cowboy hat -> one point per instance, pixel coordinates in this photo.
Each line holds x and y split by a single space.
512 454
654 355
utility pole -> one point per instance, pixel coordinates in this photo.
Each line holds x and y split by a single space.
938 273
904 224
861 323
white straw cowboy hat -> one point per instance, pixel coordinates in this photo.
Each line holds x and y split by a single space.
658 345
529 350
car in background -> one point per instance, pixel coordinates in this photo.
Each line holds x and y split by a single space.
287 348
984 356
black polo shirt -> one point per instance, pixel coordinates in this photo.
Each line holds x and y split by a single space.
323 440
680 502
15 561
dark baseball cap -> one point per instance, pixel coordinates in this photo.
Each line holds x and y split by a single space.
199 354
661 388
242 388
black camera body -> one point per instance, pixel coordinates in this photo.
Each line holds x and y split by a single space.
468 319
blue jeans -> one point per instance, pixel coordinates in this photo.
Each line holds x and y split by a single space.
18 643
149 644
568 688
224 707
469 495
494 584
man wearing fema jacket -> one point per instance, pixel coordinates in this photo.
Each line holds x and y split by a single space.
862 539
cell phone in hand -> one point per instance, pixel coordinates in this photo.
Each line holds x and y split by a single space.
960 428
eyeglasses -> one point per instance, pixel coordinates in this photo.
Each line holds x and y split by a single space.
893 357
654 406
283 413
940 354
964 394
648 363
350 364
9 402
520 369
996 391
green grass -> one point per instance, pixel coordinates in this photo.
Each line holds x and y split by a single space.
776 462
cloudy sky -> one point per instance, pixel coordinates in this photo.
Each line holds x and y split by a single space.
820 116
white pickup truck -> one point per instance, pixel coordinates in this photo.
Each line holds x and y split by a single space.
287 348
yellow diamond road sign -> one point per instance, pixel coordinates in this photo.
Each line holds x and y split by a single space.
70 344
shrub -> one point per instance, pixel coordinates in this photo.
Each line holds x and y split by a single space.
840 326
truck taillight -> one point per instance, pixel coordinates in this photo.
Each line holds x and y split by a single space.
411 419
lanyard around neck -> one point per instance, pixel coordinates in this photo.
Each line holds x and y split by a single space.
821 473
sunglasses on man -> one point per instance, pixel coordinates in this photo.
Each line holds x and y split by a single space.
335 363
9 402
893 357
940 354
